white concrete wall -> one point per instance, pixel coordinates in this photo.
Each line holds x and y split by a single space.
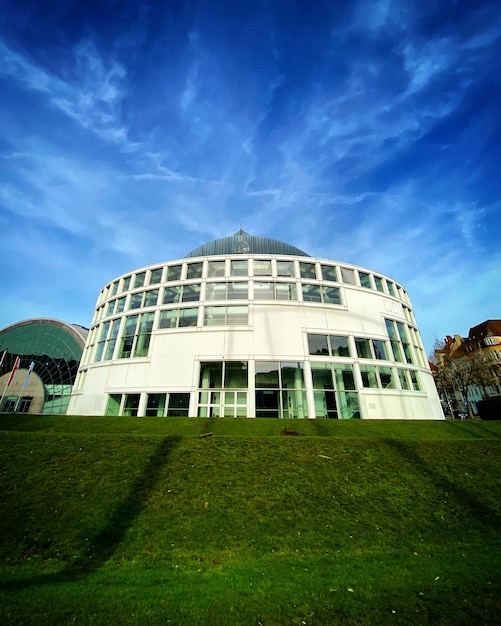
276 331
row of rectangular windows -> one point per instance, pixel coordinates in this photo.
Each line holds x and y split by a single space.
279 387
133 340
226 291
253 267
221 291
396 348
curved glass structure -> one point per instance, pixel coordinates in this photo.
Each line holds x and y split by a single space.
49 354
243 243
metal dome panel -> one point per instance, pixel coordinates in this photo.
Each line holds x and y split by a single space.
243 243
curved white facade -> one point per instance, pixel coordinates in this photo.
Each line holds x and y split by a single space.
255 335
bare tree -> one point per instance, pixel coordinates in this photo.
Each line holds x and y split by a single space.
459 366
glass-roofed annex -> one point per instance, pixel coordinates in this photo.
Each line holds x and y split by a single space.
247 326
49 354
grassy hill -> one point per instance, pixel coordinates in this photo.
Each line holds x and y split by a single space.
145 521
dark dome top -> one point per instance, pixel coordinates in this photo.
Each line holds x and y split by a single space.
243 243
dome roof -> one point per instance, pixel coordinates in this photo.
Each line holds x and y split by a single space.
243 243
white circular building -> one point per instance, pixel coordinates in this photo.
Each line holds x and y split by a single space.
247 326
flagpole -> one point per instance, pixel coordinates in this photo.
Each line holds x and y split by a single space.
15 367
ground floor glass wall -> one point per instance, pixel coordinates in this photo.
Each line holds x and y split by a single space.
280 390
276 389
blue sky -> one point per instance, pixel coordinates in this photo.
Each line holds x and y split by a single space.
364 131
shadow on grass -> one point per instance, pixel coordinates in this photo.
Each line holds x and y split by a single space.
474 428
104 543
472 505
321 427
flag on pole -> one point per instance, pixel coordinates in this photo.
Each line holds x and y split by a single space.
14 370
30 369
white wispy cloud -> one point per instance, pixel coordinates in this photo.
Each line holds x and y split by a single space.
88 91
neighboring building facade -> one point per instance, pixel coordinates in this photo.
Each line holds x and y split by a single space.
483 339
40 359
247 326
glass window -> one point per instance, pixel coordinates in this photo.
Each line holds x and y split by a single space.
317 344
168 319
262 267
211 375
386 378
397 352
379 283
120 305
188 317
365 280
126 283
136 300
131 404
194 270
322 376
179 404
329 273
191 293
349 405
156 276
325 404
280 390
331 295
239 268
292 375
391 289
238 291
363 347
307 270
369 378
267 403
401 332
339 346
216 268
114 288
223 378
263 291
111 306
347 276
311 293
391 329
139 280
155 406
151 297
415 380
100 346
285 268
216 291
144 335
235 375
344 377
222 315
267 374
112 340
285 291
174 272
128 337
214 316
182 318
172 294
113 406
237 315
402 376
379 349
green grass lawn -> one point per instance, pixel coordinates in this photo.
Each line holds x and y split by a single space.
142 521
